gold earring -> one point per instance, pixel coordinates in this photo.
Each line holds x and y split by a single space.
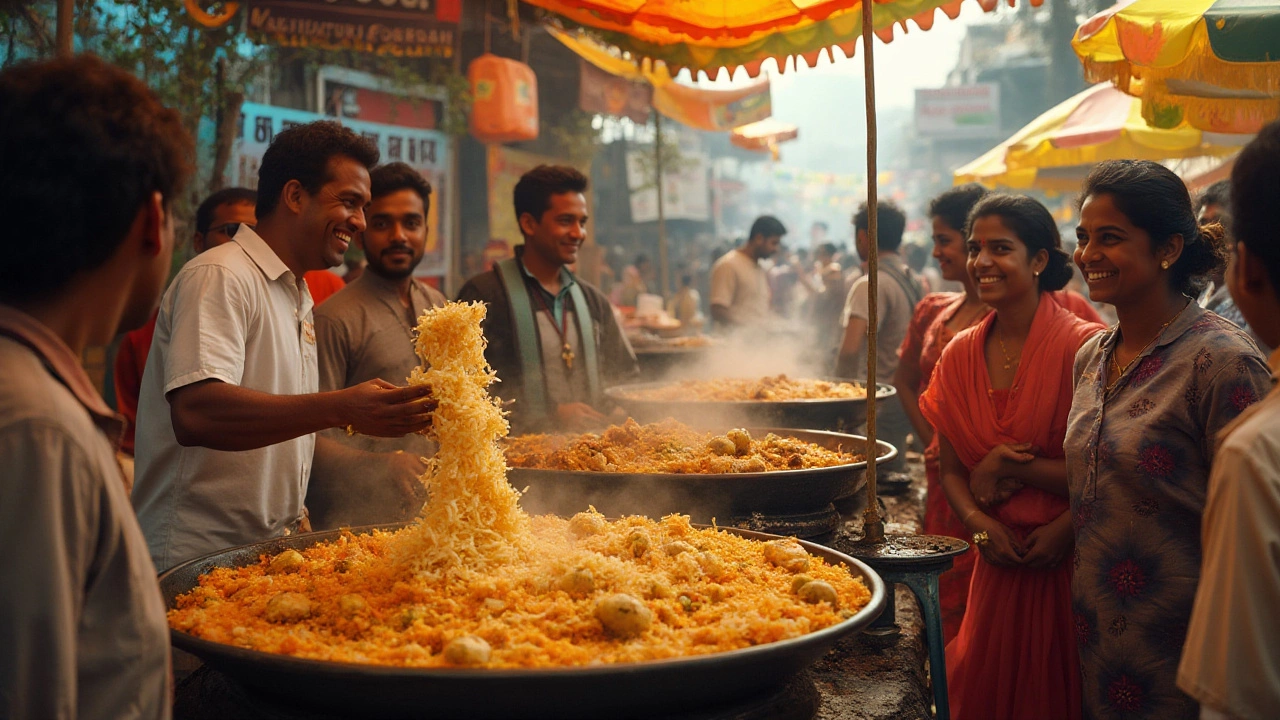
1035 274
1164 264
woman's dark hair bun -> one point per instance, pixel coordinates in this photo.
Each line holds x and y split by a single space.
1202 257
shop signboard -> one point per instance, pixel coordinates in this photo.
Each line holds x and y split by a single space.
959 112
686 194
400 28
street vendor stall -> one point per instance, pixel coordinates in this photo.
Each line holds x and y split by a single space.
710 37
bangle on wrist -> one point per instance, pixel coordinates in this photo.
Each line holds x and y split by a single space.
968 515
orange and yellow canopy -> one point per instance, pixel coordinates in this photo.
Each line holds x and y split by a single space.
709 35
1214 64
1055 151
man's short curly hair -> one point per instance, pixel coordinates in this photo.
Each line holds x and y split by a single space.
83 145
397 176
303 153
891 223
534 190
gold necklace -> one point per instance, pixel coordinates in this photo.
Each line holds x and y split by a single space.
1115 354
1008 361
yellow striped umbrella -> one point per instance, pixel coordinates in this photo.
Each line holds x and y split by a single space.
1056 150
1214 64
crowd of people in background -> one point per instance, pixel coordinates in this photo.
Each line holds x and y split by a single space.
1120 484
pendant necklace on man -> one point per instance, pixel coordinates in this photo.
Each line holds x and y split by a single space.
562 329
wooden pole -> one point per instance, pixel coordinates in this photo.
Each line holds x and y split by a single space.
662 216
872 523
64 41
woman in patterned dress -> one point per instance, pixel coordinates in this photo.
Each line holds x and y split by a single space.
999 399
938 317
1151 395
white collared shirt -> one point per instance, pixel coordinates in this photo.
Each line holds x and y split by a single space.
236 314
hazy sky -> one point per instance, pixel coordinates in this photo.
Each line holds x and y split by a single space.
827 104
916 59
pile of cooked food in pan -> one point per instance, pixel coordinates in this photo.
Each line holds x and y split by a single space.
670 446
476 582
774 388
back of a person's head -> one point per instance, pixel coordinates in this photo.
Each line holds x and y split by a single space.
891 224
83 146
533 191
397 176
767 226
1034 225
1156 200
917 256
1255 199
1218 194
954 205
303 153
225 196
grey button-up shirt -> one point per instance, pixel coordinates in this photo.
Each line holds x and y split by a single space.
82 623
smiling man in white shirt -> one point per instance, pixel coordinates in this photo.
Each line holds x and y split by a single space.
230 408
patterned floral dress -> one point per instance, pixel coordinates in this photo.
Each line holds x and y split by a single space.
1138 459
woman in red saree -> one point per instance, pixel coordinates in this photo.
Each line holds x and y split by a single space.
999 401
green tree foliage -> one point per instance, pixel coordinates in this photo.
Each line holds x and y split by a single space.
204 73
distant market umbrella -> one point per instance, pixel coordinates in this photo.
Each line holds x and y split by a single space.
1055 151
764 136
1214 64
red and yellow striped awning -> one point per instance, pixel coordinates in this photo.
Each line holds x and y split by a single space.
725 34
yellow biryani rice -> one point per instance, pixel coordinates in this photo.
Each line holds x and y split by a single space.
773 388
476 581
669 446
718 594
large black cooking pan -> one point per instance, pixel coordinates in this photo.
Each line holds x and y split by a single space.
722 497
649 689
834 414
